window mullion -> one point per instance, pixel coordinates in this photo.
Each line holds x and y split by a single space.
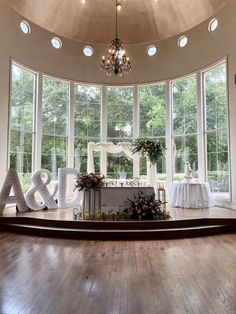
169 168
71 127
38 123
200 130
136 160
103 126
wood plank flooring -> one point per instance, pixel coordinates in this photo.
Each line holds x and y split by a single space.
39 275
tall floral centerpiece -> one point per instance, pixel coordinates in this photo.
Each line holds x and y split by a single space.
89 181
90 184
153 150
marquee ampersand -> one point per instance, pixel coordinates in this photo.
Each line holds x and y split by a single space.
40 186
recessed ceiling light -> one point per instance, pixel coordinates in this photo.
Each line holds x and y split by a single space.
88 51
182 41
212 26
25 27
56 42
151 50
118 5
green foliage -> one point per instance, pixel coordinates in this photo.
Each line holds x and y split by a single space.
151 148
54 124
87 124
145 207
22 108
119 113
152 110
184 121
87 111
55 107
118 162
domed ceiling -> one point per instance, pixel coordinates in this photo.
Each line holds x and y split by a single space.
139 21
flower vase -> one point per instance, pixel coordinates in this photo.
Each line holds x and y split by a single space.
97 204
87 204
151 174
92 204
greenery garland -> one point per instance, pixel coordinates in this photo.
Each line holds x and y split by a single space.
149 147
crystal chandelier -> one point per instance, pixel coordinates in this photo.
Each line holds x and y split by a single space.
116 60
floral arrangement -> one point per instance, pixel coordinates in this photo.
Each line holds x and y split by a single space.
89 181
149 147
145 207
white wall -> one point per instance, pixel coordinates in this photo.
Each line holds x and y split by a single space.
35 51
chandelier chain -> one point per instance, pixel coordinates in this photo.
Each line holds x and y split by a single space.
116 19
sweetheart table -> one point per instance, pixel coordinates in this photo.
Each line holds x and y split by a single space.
115 197
107 200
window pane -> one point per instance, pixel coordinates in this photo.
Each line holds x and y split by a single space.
119 128
216 110
120 113
216 98
21 122
118 162
153 122
54 125
87 124
152 110
184 126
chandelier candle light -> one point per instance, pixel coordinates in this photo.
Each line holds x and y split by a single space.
116 60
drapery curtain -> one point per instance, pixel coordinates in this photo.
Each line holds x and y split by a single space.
115 149
107 147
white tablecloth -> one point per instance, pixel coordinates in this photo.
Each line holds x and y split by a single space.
116 196
190 195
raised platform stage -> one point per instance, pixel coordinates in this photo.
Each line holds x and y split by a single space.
60 223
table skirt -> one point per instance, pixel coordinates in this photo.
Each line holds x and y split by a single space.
190 195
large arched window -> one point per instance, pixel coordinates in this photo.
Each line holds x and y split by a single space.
184 126
119 128
189 115
87 115
55 106
152 121
216 129
23 95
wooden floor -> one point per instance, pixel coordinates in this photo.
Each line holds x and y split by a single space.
39 275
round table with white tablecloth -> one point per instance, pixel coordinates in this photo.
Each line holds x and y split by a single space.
190 195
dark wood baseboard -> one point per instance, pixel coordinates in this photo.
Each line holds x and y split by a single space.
118 230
